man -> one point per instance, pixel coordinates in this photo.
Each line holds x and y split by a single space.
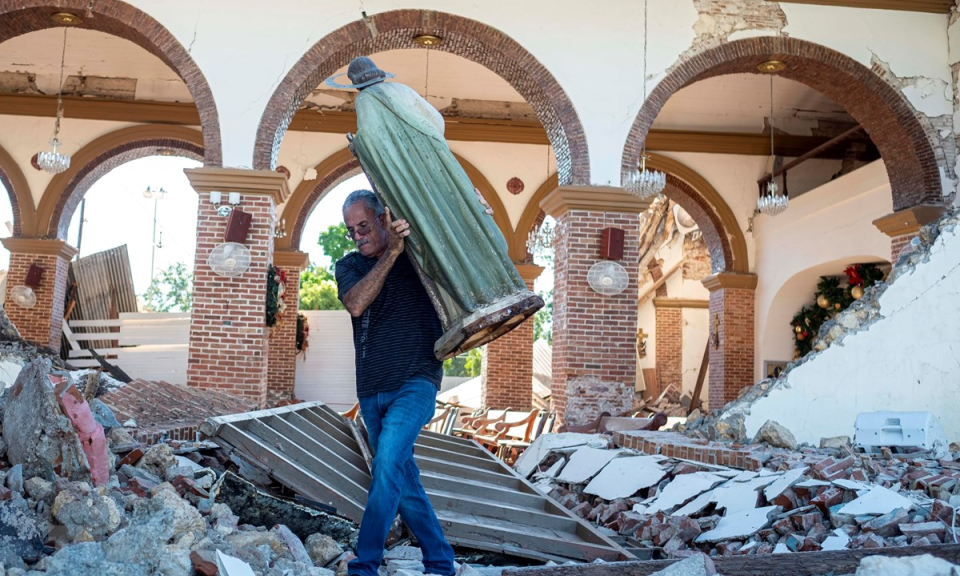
398 376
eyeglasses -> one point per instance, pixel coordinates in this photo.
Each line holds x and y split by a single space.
362 230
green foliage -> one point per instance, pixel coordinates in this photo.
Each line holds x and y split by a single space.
170 291
334 242
543 319
464 365
318 290
830 299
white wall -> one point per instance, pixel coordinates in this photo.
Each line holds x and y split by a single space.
327 371
906 361
821 233
579 47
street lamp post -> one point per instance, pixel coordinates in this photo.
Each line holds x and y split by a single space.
156 195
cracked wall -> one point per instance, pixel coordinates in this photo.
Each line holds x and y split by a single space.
897 348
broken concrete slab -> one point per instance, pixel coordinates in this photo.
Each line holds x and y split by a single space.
696 565
546 443
260 508
837 541
230 566
740 525
81 509
878 500
681 489
788 479
37 434
925 565
585 463
624 476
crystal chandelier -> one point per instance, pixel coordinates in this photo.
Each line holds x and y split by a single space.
540 239
54 161
770 201
645 183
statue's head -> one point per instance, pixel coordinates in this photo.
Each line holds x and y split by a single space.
363 72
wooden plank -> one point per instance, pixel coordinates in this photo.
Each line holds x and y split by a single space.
701 376
307 428
446 482
290 473
931 6
340 434
456 502
797 564
344 460
213 425
454 457
109 323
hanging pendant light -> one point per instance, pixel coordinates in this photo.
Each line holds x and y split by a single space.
54 161
645 183
540 239
770 201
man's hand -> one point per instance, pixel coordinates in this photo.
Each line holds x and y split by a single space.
396 232
483 201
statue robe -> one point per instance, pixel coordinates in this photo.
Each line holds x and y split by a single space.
401 148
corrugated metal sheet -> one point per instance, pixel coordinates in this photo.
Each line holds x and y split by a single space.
104 288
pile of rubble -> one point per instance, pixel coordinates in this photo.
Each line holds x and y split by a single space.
669 498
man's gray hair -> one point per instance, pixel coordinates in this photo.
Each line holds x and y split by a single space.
368 198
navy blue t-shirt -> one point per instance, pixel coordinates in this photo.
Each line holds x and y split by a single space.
394 337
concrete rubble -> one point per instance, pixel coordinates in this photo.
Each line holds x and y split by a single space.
778 501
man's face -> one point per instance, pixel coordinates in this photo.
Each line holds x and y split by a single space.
366 230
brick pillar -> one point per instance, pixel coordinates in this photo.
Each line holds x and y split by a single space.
731 335
42 324
669 338
903 226
594 355
506 376
228 333
283 337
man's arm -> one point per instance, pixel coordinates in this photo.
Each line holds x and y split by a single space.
364 292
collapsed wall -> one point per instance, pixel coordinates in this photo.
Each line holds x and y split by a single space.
897 348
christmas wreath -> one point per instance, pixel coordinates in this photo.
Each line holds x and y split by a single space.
303 334
276 288
829 300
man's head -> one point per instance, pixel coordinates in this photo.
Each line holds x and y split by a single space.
363 72
363 217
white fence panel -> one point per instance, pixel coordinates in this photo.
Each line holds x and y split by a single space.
327 372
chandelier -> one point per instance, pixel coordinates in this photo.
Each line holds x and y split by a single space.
771 201
54 161
645 183
540 239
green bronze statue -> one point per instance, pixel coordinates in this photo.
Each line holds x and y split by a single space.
456 246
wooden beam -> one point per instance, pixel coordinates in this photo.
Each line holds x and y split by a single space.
931 6
810 154
646 293
457 129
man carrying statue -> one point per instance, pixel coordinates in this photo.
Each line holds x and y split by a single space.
431 278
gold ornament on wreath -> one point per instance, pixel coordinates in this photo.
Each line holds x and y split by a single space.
857 292
823 301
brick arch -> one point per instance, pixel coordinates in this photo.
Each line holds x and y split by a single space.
18 17
93 161
467 38
21 200
902 136
341 165
532 217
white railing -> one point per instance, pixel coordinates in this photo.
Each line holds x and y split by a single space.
152 346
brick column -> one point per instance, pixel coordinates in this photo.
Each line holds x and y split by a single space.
506 376
669 338
283 337
902 226
228 333
731 339
594 356
42 324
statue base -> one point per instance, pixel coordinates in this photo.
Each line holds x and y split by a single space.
487 324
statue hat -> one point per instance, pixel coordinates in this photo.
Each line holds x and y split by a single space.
362 72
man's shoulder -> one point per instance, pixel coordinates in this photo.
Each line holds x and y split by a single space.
350 258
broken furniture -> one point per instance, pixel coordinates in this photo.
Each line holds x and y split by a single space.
605 423
471 426
445 418
510 438
480 502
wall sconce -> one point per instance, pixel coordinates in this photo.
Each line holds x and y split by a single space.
234 198
216 197
280 228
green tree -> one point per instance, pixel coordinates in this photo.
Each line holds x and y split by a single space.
170 291
335 243
543 319
464 365
318 290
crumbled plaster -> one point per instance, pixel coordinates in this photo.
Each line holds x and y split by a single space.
18 83
860 316
719 19
101 87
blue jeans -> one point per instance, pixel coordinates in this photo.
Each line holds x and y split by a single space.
393 420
